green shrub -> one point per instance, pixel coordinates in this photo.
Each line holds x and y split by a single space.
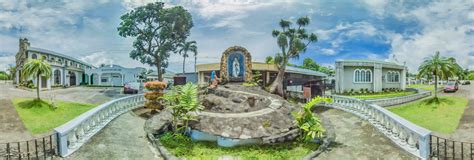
308 123
180 143
182 100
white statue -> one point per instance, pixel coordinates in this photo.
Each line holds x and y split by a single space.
236 68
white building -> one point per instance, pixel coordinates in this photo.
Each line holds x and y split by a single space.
113 75
66 70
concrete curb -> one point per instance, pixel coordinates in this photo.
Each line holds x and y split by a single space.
327 140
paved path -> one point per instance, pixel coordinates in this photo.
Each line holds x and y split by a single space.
357 139
465 130
11 126
123 138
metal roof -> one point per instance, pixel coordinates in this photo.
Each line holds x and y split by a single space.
291 69
57 54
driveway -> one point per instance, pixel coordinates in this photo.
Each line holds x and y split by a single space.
465 130
11 126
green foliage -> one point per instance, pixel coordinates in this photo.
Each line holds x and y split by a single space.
4 76
470 76
157 32
182 100
269 60
183 147
184 48
36 68
309 124
292 40
439 66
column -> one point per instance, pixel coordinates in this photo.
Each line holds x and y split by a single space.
377 77
403 79
123 79
267 78
17 76
100 79
339 77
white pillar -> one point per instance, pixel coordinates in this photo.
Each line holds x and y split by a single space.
377 79
100 79
403 79
17 76
123 79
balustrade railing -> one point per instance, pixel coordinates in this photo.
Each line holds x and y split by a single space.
400 100
76 132
405 134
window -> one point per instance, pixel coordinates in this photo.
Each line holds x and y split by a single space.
34 56
362 76
393 76
103 80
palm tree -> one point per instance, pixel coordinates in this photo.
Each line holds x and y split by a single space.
439 67
184 48
36 68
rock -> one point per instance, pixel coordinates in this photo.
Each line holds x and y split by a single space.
159 122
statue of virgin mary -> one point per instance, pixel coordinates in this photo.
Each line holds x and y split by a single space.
235 68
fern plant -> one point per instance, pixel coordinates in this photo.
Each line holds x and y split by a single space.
182 100
308 123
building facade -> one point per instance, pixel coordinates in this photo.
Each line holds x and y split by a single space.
66 70
113 75
369 75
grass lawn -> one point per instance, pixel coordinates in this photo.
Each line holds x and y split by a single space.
39 118
383 95
184 147
443 117
424 87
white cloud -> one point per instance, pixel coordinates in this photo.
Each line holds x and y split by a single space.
5 62
446 27
97 58
376 6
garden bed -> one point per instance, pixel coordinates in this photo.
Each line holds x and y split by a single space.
184 147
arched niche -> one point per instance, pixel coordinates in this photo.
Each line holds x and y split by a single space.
232 57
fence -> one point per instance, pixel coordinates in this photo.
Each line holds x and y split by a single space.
442 148
402 99
40 148
72 135
410 137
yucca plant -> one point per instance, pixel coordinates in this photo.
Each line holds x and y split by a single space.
37 68
181 101
309 124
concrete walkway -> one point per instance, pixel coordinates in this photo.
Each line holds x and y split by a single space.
465 130
11 126
357 139
123 138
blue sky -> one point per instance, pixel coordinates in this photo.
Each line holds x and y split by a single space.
401 31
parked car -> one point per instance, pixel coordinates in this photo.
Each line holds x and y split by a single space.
466 82
451 86
131 88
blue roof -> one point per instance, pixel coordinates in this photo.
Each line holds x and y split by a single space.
291 69
58 54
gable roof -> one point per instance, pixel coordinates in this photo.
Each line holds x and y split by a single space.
58 54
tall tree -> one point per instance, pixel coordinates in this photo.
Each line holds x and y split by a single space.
157 32
308 63
438 67
292 40
36 68
184 48
269 60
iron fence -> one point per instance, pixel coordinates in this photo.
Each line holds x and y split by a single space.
442 148
39 148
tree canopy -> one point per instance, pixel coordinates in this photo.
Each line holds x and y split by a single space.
36 68
157 32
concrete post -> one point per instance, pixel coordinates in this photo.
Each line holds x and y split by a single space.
100 79
403 79
377 77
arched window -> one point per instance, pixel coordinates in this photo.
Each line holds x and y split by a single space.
393 76
57 77
362 76
34 56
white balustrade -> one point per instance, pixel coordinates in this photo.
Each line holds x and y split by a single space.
79 130
400 100
412 138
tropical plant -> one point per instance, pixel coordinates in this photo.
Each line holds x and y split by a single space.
157 31
12 70
439 67
182 100
308 123
37 68
184 48
292 41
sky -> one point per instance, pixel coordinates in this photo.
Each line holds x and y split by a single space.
400 31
